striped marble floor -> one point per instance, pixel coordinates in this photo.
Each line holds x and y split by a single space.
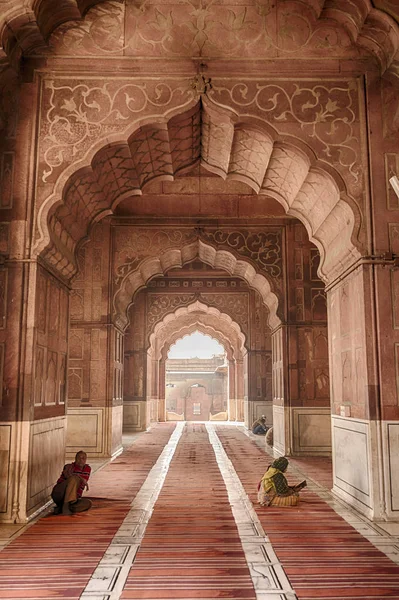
175 517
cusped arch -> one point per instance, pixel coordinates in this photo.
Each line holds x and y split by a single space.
176 257
199 325
198 313
248 150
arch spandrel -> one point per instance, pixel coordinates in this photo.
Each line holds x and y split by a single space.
286 174
171 258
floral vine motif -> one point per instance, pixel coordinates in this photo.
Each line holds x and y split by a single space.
77 115
235 305
209 28
324 113
139 244
262 247
159 306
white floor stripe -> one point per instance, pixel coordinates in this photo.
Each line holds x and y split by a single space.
269 579
110 576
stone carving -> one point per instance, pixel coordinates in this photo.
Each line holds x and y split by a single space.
77 305
3 297
328 114
319 305
201 84
235 305
300 304
100 33
41 302
135 244
38 400
75 115
298 261
390 106
75 383
263 248
314 264
51 378
159 306
7 179
192 28
61 398
392 168
76 344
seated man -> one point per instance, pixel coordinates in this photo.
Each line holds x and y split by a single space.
67 492
259 426
273 489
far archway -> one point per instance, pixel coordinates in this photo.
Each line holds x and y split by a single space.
196 379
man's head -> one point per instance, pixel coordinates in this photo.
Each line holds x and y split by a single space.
80 458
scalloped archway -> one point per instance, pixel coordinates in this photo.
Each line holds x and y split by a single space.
233 147
198 313
177 257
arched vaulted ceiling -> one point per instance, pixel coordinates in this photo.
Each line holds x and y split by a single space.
283 169
26 25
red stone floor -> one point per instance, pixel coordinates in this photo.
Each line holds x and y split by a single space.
56 556
323 556
191 548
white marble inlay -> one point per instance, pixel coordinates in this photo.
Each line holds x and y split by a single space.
113 569
268 576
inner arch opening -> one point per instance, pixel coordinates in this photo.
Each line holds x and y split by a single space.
196 379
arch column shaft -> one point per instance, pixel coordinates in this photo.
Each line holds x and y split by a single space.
260 401
95 380
33 344
364 391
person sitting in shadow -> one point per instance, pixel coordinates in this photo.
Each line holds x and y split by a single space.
259 426
67 492
273 489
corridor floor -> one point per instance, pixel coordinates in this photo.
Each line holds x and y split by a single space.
175 517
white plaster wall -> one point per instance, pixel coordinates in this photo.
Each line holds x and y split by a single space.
5 466
85 431
390 433
115 424
311 431
134 415
47 452
352 462
279 437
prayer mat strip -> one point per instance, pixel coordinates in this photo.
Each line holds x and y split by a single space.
324 557
56 557
191 547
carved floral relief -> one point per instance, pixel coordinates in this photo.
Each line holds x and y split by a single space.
199 28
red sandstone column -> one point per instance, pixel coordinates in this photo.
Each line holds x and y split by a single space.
161 391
